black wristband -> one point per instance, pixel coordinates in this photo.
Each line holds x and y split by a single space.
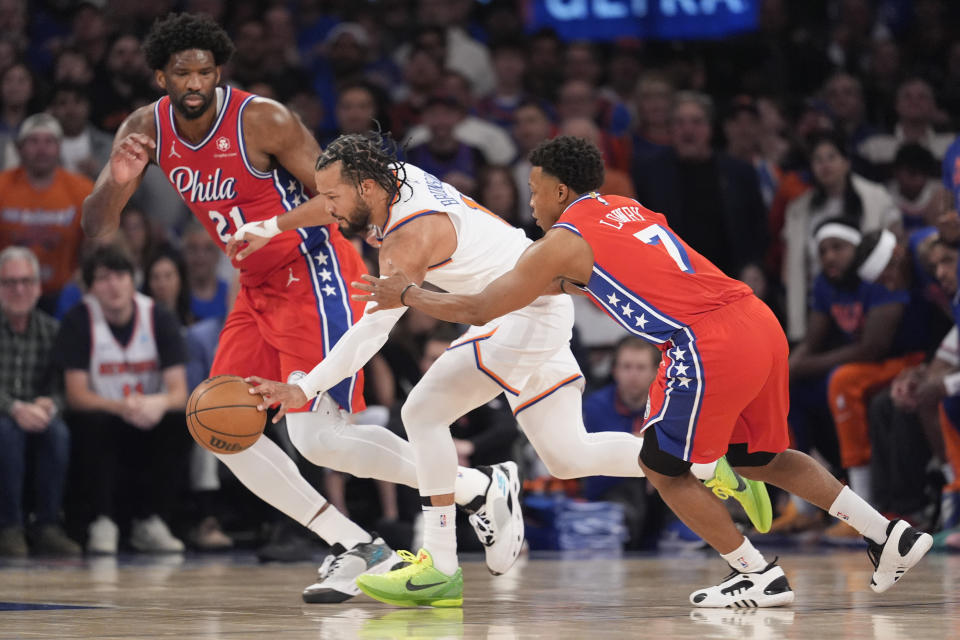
402 293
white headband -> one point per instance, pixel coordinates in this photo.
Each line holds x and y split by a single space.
838 231
879 258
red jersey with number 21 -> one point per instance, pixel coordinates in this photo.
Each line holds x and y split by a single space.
644 276
223 190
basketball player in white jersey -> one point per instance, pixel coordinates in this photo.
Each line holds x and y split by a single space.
432 232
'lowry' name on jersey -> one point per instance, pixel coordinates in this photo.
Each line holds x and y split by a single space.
194 189
621 215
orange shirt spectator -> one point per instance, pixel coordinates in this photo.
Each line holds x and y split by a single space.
40 203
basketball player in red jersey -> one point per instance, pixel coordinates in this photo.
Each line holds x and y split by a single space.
236 158
722 387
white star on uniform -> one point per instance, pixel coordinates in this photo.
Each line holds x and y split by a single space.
292 186
297 200
642 320
320 258
329 290
680 370
326 275
678 353
613 299
627 310
684 382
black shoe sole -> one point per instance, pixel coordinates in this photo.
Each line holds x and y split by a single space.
329 596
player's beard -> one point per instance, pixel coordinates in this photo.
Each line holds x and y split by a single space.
192 113
357 224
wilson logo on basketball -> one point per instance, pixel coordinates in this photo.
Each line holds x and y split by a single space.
223 445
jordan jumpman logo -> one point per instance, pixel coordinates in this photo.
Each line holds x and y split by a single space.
173 150
292 278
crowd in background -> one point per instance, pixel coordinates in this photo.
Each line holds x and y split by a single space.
781 155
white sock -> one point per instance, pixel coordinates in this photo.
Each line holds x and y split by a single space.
745 558
440 537
334 527
470 484
858 513
860 481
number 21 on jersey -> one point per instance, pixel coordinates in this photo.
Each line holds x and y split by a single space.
223 225
655 234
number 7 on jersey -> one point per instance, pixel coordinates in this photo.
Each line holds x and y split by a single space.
655 234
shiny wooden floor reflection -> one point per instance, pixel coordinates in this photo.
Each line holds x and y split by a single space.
550 597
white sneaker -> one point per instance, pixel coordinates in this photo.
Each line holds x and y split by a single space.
499 521
153 536
767 588
102 536
903 549
337 577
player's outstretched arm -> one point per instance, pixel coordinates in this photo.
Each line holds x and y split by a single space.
275 131
560 254
132 149
415 246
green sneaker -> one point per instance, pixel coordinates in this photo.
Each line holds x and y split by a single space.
751 494
416 585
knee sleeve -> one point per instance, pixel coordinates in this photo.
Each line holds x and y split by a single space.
656 459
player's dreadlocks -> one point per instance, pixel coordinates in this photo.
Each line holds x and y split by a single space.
573 161
367 156
182 32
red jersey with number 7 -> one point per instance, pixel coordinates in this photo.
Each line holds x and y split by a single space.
644 276
224 190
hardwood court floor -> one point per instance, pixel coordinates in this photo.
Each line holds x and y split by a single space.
557 596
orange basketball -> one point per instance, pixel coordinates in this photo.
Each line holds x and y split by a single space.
222 414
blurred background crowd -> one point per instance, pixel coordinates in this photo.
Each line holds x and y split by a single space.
779 153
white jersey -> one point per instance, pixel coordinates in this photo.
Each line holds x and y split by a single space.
117 370
487 245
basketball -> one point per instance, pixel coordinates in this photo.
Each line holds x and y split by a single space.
222 414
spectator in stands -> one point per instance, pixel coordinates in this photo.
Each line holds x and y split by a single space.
498 192
915 189
84 148
837 191
711 199
256 59
421 76
122 85
621 406
126 398
531 126
843 93
653 98
40 205
357 108
510 66
916 109
623 71
463 54
17 97
743 131
545 71
90 33
72 67
443 154
138 237
208 293
30 404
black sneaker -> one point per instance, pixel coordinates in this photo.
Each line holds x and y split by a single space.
903 549
767 588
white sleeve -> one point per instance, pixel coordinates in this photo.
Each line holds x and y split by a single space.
360 343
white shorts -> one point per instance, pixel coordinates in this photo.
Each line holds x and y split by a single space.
527 352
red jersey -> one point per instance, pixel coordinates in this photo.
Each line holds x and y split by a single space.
216 180
644 276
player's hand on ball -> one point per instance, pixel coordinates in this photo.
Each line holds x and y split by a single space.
385 291
288 396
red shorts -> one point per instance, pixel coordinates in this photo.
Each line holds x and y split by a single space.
723 381
289 322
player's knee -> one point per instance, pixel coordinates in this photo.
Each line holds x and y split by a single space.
655 459
559 467
315 439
